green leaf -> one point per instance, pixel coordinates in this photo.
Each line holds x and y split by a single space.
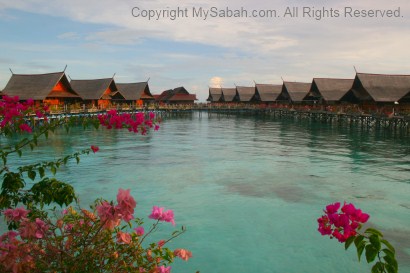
373 231
360 249
53 169
392 262
375 241
388 253
12 183
349 241
41 171
77 159
377 268
32 174
65 160
358 240
371 253
391 269
389 246
19 152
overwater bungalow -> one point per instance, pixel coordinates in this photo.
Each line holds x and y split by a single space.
50 88
294 92
178 95
328 91
98 93
245 94
373 91
215 94
136 93
267 93
229 95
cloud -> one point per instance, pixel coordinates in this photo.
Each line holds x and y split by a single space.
216 82
238 50
69 36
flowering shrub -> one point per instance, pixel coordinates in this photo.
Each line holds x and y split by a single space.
345 225
80 240
31 123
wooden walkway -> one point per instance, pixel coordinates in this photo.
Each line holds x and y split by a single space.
364 120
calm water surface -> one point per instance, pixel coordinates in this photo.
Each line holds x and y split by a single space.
249 190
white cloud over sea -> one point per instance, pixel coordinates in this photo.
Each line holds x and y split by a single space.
194 52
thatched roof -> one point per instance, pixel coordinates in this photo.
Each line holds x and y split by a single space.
268 92
215 94
330 89
177 94
380 87
93 89
245 93
296 90
38 86
183 97
135 91
229 94
406 98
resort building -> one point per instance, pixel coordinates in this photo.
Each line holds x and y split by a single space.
98 93
294 92
136 93
229 95
373 91
267 93
215 94
52 88
178 95
328 91
245 94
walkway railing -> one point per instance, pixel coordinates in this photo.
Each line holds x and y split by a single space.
346 115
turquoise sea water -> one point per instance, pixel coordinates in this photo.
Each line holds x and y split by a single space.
249 190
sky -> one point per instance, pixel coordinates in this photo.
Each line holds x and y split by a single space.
268 42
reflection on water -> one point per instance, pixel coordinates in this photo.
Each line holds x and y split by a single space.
250 189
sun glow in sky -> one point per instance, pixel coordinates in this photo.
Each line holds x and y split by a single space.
182 45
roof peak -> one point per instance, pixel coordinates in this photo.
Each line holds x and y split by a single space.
92 79
332 79
375 74
40 74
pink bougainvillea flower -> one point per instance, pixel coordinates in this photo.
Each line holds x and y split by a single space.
139 230
348 208
123 237
161 243
16 214
333 208
108 215
163 269
341 224
161 215
27 229
156 127
42 228
30 102
31 230
94 148
25 128
126 205
156 213
183 254
168 216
